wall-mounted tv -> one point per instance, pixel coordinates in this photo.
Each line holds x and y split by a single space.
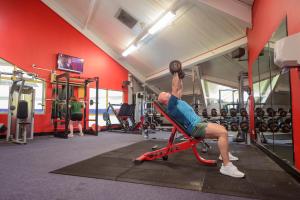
69 63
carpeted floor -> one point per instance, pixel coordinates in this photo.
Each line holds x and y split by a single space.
24 173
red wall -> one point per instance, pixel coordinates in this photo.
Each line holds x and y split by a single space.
30 32
266 17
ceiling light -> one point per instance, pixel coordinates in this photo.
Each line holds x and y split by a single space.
163 22
129 50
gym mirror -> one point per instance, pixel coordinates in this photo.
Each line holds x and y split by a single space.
271 89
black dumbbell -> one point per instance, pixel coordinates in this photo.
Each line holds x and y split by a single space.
213 112
233 112
223 112
233 126
271 112
259 112
176 67
263 126
204 113
244 125
243 112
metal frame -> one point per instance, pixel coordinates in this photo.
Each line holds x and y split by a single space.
174 147
86 82
67 83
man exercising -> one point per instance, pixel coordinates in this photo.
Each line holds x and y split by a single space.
76 115
186 116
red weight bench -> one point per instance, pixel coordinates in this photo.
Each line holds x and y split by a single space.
172 147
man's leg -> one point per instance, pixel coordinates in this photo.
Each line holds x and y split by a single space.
71 128
216 131
80 128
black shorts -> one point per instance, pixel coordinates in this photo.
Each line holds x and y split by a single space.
76 116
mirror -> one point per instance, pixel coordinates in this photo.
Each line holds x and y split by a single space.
271 89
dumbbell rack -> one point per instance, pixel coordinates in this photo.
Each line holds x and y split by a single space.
273 122
235 122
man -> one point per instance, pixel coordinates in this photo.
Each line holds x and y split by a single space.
186 116
76 115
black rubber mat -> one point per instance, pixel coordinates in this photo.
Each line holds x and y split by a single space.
264 179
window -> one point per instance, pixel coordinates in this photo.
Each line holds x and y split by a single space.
105 97
101 106
5 84
114 97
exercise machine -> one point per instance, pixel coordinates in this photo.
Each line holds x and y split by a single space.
61 98
20 109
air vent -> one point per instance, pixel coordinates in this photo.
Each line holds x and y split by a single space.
126 18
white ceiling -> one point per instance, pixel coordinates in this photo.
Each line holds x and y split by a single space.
197 29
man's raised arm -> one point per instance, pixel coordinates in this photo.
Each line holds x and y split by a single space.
177 86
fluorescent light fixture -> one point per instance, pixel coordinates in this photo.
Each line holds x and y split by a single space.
129 50
145 36
163 22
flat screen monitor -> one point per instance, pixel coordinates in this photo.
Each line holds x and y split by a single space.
70 63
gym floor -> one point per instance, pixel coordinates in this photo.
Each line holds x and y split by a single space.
25 172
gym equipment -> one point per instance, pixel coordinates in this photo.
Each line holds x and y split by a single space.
3 128
214 112
263 126
243 112
223 112
20 112
271 112
204 113
260 112
125 116
175 67
234 126
233 112
174 147
272 125
244 125
61 114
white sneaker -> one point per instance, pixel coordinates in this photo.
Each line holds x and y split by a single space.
231 157
231 170
70 135
81 134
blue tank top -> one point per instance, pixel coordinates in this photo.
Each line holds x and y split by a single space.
183 113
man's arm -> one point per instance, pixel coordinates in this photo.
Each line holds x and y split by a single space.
177 86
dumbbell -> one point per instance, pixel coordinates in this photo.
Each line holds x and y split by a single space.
175 67
271 112
285 127
233 112
282 112
243 112
259 112
213 112
273 126
204 113
263 126
244 125
233 126
223 112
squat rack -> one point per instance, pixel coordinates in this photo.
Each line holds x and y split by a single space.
64 79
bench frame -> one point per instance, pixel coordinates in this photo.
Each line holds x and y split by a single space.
174 147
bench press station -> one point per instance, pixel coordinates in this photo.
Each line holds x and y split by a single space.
171 146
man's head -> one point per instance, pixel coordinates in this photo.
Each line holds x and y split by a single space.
164 97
